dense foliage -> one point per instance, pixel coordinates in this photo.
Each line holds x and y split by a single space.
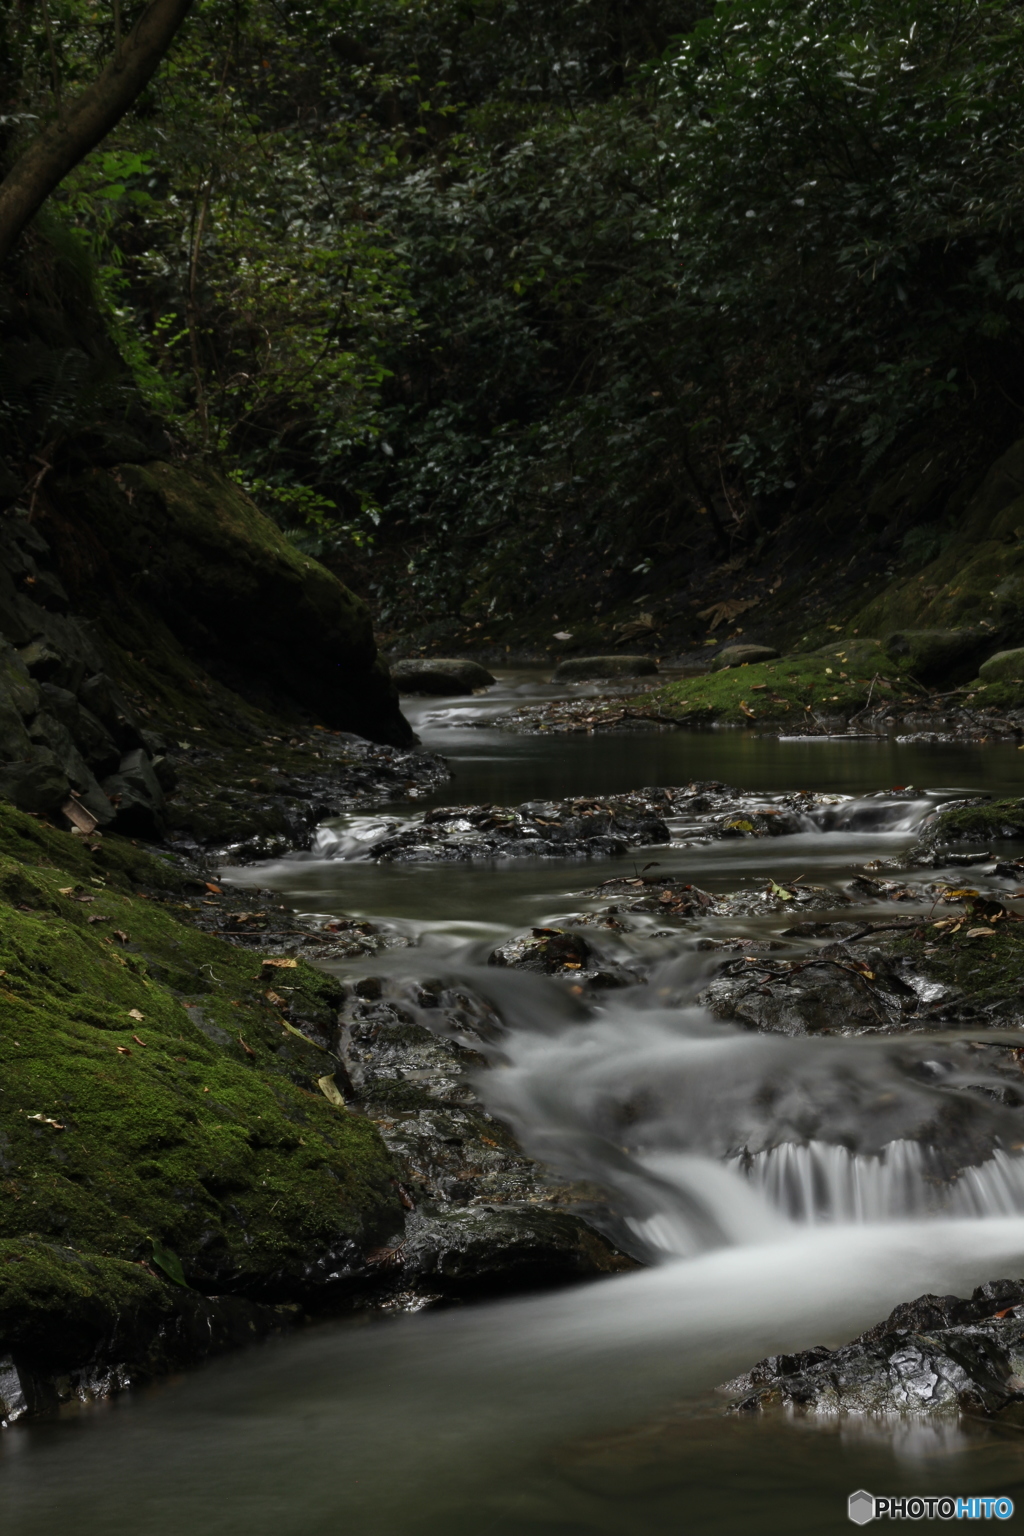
513 279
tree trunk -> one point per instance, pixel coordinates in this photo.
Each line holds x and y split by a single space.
87 119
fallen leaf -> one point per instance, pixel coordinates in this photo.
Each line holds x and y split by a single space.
67 890
45 1120
780 891
748 712
272 997
329 1088
563 634
97 917
133 1013
280 965
214 888
981 933
122 1050
139 1042
739 826
246 1048
119 933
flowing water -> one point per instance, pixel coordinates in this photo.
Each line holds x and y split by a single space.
591 1411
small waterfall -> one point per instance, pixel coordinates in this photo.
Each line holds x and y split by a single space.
819 1182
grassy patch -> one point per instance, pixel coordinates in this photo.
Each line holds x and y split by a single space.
788 691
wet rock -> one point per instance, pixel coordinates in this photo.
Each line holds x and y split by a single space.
738 655
581 669
831 992
940 655
504 1248
562 952
1003 667
539 828
482 1216
936 1355
440 675
104 700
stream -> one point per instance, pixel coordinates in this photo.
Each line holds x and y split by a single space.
591 1411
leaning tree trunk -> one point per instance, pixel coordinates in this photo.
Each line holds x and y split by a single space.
87 119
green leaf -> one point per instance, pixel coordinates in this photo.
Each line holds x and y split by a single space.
168 1261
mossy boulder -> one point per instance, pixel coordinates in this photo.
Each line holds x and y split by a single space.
972 821
186 548
152 1093
1003 667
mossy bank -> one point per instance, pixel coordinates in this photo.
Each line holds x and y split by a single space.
157 1109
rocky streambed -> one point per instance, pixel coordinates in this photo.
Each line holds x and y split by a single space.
207 1137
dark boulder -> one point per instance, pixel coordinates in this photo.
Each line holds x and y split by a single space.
935 656
165 557
438 675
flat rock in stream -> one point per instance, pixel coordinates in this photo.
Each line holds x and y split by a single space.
578 828
937 1355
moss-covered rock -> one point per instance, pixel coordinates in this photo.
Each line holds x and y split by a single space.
972 821
789 692
1003 667
152 1093
160 553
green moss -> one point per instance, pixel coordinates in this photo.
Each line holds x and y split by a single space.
788 691
982 823
42 1283
1006 695
188 1111
988 970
